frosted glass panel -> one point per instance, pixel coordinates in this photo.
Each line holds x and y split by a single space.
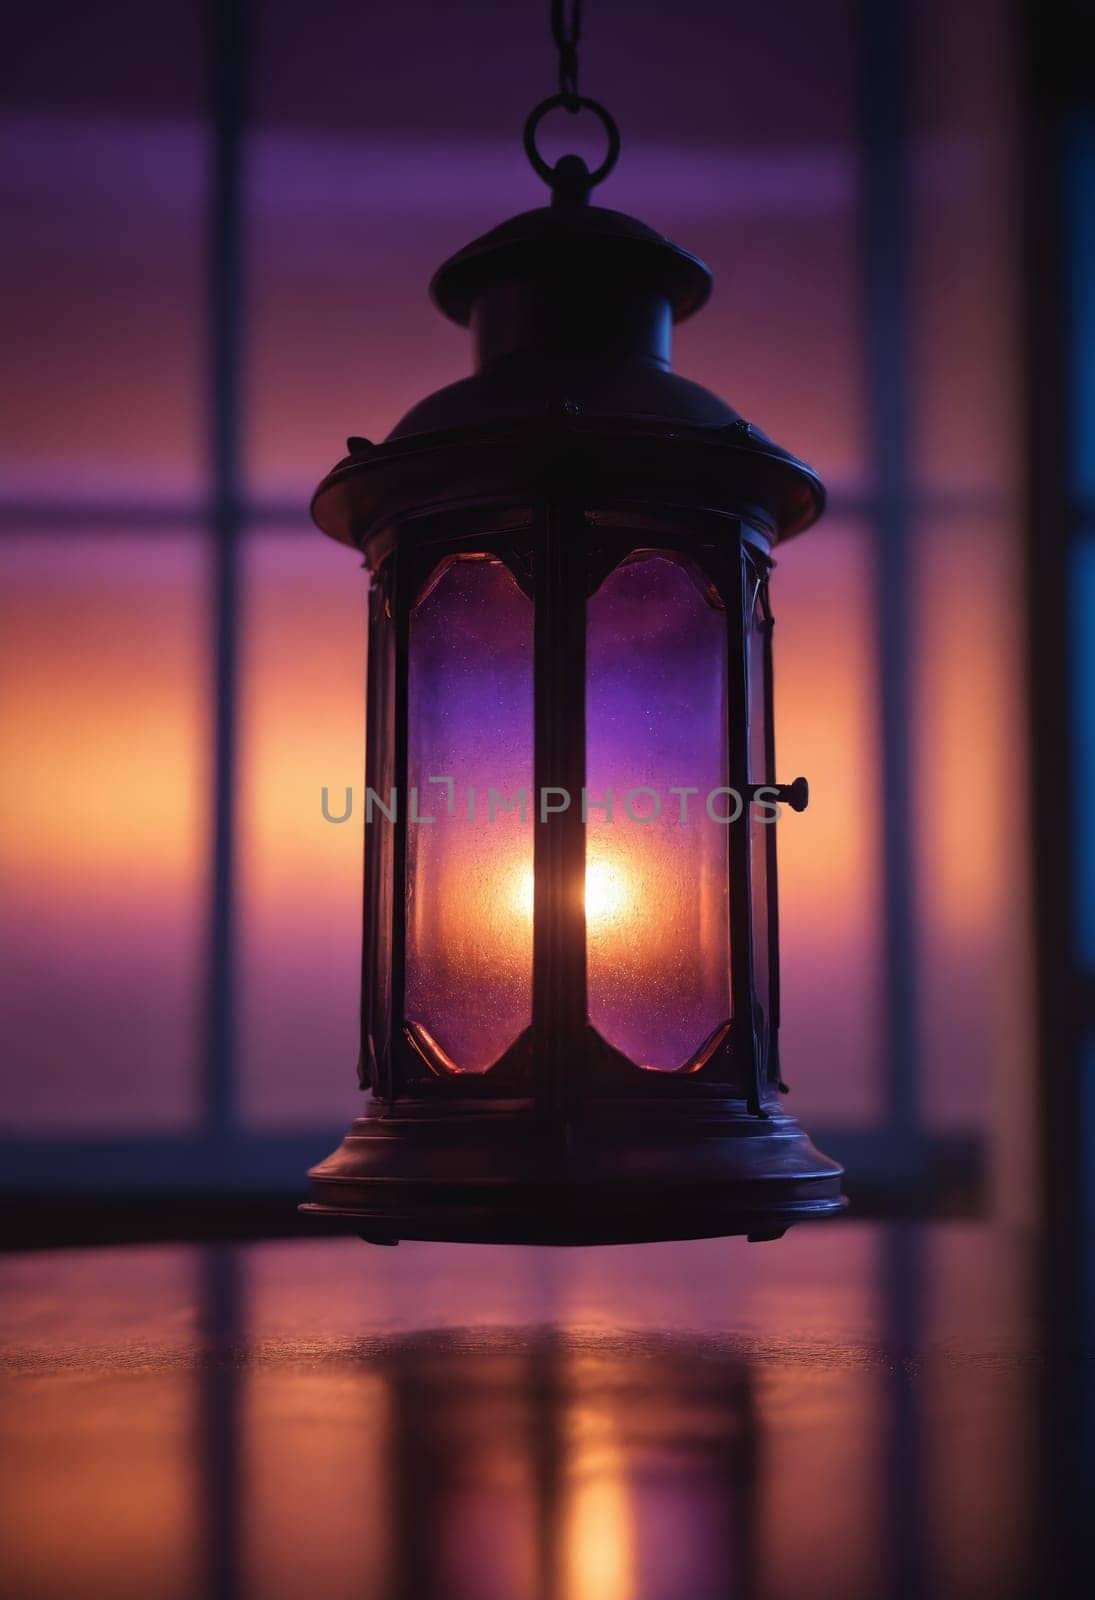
469 873
656 884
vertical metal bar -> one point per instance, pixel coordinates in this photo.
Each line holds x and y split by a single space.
1060 107
375 1065
742 988
228 68
559 936
884 255
768 625
402 597
1051 535
885 240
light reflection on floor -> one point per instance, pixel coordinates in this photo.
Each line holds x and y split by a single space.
850 1412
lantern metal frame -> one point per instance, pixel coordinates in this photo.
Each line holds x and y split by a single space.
571 447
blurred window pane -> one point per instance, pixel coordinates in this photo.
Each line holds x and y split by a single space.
104 739
302 725
104 239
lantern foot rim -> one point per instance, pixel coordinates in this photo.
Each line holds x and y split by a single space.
674 1224
505 1179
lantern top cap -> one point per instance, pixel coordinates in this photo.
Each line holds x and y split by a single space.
572 241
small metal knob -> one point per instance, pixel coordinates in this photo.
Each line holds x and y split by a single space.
796 795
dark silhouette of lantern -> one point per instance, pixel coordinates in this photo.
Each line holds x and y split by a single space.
570 1020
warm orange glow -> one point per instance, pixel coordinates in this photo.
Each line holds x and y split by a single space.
826 722
302 668
105 734
342 1434
108 1499
104 847
608 892
971 827
600 1533
609 895
302 727
970 733
476 925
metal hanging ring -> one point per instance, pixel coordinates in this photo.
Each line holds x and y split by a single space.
573 104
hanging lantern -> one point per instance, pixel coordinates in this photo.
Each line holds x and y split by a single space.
571 990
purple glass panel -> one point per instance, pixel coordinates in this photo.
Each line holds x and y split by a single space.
469 871
657 873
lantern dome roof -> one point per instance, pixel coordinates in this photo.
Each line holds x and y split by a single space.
571 241
571 308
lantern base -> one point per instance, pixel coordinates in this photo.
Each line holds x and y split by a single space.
490 1174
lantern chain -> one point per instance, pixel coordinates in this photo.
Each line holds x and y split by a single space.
570 179
566 30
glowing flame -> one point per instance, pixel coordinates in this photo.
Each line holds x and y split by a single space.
608 892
